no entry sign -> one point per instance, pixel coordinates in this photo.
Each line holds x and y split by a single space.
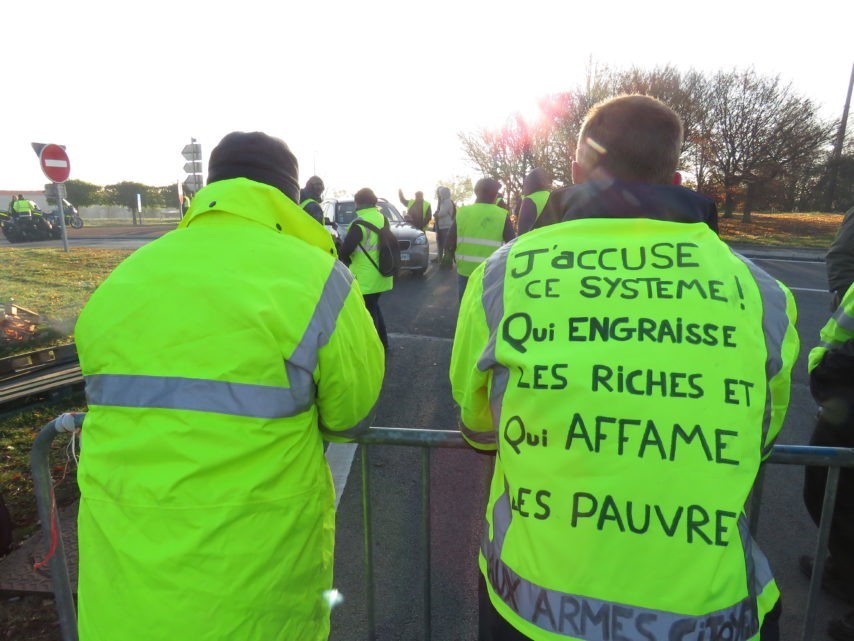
54 162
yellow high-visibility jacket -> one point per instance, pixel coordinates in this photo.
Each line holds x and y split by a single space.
837 330
216 359
631 374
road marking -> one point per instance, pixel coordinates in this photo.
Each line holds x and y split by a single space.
816 261
339 456
807 289
421 337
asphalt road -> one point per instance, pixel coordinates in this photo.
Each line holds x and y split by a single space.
420 315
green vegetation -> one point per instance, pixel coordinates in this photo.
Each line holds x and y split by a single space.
53 283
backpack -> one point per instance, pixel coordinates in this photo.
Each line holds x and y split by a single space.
389 248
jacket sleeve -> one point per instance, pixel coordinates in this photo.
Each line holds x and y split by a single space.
351 366
470 384
527 216
351 241
838 330
781 333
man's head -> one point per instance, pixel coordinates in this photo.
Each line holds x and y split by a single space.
633 138
419 195
486 190
536 180
315 186
365 198
258 157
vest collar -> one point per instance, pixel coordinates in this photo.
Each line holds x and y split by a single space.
261 204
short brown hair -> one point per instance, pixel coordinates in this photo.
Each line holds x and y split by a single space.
631 137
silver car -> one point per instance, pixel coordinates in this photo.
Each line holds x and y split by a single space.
414 246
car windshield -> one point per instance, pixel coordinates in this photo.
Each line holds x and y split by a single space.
345 212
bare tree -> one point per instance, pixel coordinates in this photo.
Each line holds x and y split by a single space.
759 129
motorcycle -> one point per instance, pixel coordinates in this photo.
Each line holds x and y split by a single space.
72 219
26 228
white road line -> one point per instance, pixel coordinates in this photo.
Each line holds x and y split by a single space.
787 260
807 289
421 337
339 456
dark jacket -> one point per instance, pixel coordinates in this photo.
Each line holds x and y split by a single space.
840 257
313 209
617 199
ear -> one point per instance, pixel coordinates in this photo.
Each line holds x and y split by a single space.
677 178
578 175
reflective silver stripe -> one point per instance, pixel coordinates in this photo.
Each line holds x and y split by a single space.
238 399
592 619
775 322
175 393
471 259
842 319
478 241
483 438
493 307
757 569
300 365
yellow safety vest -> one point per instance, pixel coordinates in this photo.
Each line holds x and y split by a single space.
207 508
22 207
369 277
424 207
480 231
539 198
838 330
631 375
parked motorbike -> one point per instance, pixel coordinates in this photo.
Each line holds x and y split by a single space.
26 228
72 219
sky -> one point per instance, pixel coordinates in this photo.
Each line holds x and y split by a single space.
370 93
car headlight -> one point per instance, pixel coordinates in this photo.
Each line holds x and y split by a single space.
420 240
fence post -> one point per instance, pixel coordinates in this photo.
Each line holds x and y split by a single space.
425 526
369 560
821 549
43 485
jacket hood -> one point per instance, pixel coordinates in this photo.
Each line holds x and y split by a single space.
617 199
443 193
260 203
536 180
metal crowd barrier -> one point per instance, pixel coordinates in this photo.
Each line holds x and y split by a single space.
831 457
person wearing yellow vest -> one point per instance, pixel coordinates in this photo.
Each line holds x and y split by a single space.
535 192
831 369
22 206
630 375
478 230
310 197
360 250
207 507
418 210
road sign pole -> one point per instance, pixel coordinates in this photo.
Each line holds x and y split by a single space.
62 218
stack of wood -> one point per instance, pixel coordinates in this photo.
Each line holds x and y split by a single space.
17 323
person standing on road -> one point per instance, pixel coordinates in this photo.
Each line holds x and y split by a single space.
310 197
207 508
831 369
418 211
478 231
446 212
840 260
535 192
631 373
360 250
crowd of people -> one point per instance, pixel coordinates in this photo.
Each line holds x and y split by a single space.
626 370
